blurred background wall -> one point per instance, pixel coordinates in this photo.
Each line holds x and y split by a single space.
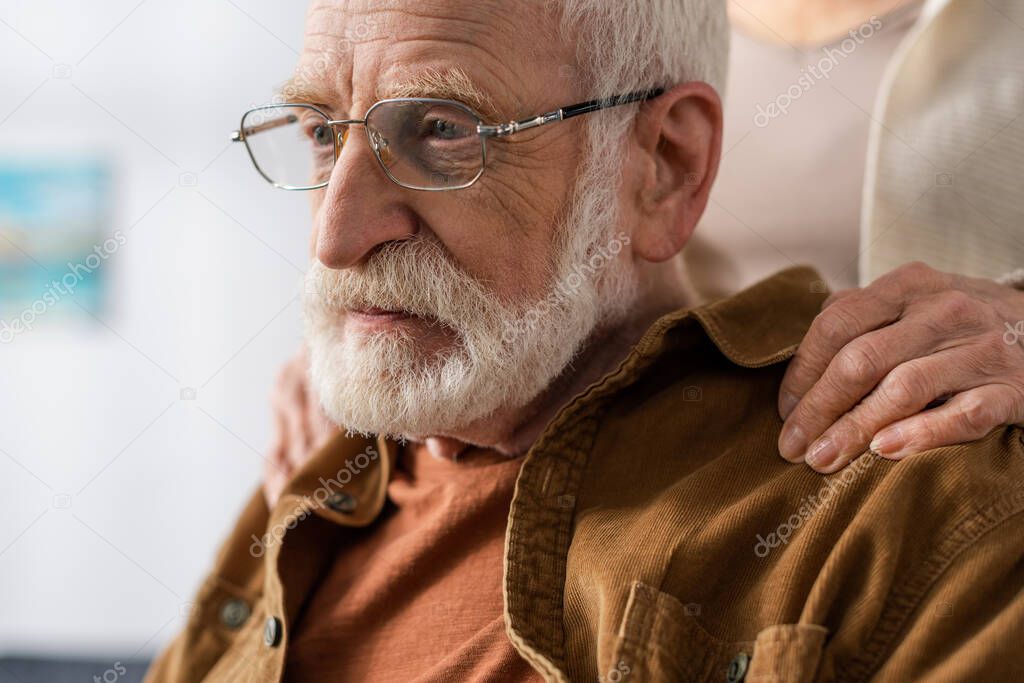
132 433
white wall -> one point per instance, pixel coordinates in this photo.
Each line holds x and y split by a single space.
114 492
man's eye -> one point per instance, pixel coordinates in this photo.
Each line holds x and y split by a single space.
446 130
322 135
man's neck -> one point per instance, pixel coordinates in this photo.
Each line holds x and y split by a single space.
514 432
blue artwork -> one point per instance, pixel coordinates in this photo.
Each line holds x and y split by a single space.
55 241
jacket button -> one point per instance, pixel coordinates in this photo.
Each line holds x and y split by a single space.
738 668
341 502
234 612
272 631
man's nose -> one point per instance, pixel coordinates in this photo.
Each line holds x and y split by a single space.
361 208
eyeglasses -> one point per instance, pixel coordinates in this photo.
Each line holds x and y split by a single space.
421 143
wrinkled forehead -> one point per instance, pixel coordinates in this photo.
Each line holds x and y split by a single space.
501 58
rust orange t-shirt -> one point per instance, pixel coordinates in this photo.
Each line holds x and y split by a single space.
417 596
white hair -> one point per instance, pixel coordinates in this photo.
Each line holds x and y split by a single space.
630 45
624 46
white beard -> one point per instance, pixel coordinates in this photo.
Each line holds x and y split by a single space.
504 356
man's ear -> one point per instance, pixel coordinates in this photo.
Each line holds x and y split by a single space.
674 160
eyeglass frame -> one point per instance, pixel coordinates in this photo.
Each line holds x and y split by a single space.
483 130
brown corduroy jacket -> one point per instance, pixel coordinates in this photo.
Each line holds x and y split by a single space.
656 534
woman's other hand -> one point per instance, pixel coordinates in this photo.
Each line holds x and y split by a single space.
301 427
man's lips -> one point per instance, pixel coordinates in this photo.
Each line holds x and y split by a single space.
374 318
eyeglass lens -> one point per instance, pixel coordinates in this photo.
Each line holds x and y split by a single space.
421 144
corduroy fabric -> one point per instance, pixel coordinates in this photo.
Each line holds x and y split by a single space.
656 535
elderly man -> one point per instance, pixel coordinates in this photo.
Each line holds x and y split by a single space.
553 469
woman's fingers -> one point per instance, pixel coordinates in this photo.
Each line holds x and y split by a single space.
276 468
291 440
301 427
853 372
967 416
906 390
877 356
274 481
295 410
962 366
321 427
836 326
849 315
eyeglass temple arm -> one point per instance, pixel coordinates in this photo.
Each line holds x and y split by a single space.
239 135
504 129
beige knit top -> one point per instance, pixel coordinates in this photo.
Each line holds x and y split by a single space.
863 154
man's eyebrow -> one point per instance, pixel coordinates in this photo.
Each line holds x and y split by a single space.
445 84
286 88
296 90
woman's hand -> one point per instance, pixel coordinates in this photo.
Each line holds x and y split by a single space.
301 426
876 357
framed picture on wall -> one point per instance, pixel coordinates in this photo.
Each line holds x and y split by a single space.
55 239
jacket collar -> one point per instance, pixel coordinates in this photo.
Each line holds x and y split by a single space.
765 323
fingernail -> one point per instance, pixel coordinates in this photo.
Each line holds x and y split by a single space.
822 453
787 402
887 441
791 446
